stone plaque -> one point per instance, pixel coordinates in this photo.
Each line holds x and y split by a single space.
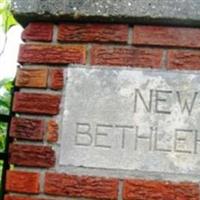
130 119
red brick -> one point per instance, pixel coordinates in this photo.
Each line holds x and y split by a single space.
23 182
52 131
81 186
93 33
12 197
51 54
183 59
166 36
27 129
38 32
124 56
36 103
155 190
34 77
56 79
31 156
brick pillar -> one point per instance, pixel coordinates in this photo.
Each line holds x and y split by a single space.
44 57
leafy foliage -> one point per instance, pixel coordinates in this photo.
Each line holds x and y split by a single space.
6 18
6 22
3 131
6 86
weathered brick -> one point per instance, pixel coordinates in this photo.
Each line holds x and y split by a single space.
52 131
166 36
183 59
27 129
124 56
36 103
81 186
23 182
36 78
38 32
155 190
12 197
31 156
51 54
56 79
93 33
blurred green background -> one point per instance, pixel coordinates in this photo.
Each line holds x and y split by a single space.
9 42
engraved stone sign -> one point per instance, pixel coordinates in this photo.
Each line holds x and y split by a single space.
130 119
